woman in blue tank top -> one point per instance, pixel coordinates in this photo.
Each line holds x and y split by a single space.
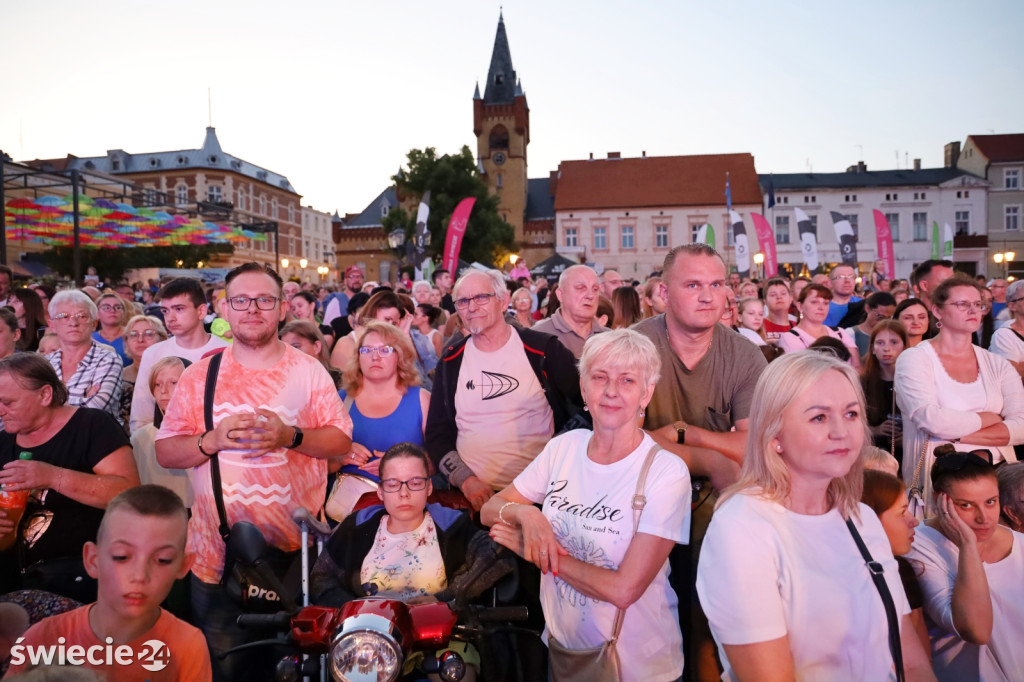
381 390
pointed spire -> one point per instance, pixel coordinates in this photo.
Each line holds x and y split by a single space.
519 88
480 166
211 145
476 93
501 77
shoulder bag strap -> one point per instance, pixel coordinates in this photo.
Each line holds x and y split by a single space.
639 502
878 577
1017 333
218 492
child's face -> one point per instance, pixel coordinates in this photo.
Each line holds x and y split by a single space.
137 560
163 386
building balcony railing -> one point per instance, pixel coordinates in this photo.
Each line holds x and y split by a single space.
566 250
970 241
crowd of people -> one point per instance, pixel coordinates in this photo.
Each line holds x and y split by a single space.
809 478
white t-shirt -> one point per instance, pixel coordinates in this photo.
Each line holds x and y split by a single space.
1006 343
143 404
405 565
501 413
800 340
144 448
589 506
766 572
953 659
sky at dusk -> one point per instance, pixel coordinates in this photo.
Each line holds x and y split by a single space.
333 94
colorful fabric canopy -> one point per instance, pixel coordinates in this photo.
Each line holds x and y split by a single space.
102 223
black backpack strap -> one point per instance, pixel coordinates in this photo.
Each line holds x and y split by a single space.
218 492
878 577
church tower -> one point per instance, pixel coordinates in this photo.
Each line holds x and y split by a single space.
501 123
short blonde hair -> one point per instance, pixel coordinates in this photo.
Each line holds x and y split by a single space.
764 471
408 375
622 348
154 322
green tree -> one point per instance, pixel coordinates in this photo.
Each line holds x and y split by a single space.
450 179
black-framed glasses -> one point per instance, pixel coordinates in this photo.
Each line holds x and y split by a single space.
380 351
108 308
964 306
947 458
479 299
1014 300
243 303
393 485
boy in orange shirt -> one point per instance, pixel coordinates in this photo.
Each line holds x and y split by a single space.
138 554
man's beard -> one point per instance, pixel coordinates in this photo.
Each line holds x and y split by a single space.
252 339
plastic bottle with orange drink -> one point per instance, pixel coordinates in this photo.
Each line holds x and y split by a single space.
12 508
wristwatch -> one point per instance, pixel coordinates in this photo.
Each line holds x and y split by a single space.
297 438
680 427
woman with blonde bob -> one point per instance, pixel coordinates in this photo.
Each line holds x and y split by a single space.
382 393
307 337
582 539
786 591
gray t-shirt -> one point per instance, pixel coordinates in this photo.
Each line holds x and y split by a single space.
714 394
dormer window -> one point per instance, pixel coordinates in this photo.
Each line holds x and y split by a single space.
499 78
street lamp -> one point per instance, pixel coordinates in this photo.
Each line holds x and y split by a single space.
513 258
322 271
284 263
303 263
759 262
1005 258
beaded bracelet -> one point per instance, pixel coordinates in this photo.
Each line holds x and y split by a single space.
501 513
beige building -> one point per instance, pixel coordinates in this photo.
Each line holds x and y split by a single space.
1000 160
626 214
317 247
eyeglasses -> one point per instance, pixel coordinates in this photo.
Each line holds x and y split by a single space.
393 485
1014 300
242 303
77 317
846 277
107 308
149 333
964 306
380 351
479 299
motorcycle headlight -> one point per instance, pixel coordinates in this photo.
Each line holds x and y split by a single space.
366 649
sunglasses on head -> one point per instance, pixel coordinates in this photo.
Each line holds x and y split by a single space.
947 458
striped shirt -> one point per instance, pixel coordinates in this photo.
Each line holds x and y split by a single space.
100 368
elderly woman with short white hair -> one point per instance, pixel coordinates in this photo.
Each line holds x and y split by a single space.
90 370
597 561
1008 340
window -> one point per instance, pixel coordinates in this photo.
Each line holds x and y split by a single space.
894 225
181 194
499 180
384 208
627 237
695 232
1011 217
263 205
661 236
920 227
852 198
273 211
570 236
601 238
151 197
214 193
291 213
962 222
782 229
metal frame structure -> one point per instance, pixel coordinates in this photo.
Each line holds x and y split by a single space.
46 182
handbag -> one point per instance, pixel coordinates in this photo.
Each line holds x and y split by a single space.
915 500
601 663
261 585
347 488
878 577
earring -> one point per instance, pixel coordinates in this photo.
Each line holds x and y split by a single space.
778 449
641 410
938 325
586 408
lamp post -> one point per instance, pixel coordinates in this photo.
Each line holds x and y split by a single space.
322 271
1004 258
759 262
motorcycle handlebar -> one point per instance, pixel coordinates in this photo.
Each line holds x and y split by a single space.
280 621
